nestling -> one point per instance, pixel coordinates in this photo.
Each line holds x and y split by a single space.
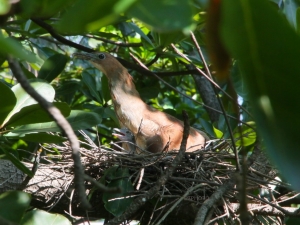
153 130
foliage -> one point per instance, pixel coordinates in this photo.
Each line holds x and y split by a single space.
260 35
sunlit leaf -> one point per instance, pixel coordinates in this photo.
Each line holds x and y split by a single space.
13 205
95 15
36 114
78 119
11 46
7 102
24 99
35 217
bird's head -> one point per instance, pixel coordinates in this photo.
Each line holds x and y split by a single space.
123 134
102 61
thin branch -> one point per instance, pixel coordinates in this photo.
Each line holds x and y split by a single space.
60 38
209 203
60 120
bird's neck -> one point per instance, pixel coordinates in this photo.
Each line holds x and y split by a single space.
127 102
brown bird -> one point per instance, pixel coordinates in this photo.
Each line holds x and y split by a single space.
153 130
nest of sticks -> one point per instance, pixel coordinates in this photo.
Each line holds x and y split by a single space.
205 180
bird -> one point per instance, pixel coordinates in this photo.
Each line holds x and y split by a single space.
126 137
154 130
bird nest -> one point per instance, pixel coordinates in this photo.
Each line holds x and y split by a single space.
203 178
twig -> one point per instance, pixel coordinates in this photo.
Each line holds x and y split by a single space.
56 115
188 192
209 203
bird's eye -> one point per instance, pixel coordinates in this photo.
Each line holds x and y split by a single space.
101 56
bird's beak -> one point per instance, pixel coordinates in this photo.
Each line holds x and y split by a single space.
118 133
85 56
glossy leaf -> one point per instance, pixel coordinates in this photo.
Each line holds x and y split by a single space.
42 8
43 138
7 101
24 99
117 203
253 32
37 217
163 15
4 7
246 137
90 82
78 119
52 67
95 15
218 133
13 205
10 46
36 114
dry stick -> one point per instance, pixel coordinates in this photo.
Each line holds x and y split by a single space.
189 191
140 201
283 210
62 123
209 203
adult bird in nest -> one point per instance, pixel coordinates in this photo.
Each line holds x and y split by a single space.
153 130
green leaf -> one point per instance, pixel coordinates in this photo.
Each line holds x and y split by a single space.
42 8
218 133
117 203
36 114
95 15
78 119
24 99
90 82
105 88
13 205
253 32
248 135
17 162
7 101
37 217
11 46
43 138
163 16
27 73
52 67
4 7
140 32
